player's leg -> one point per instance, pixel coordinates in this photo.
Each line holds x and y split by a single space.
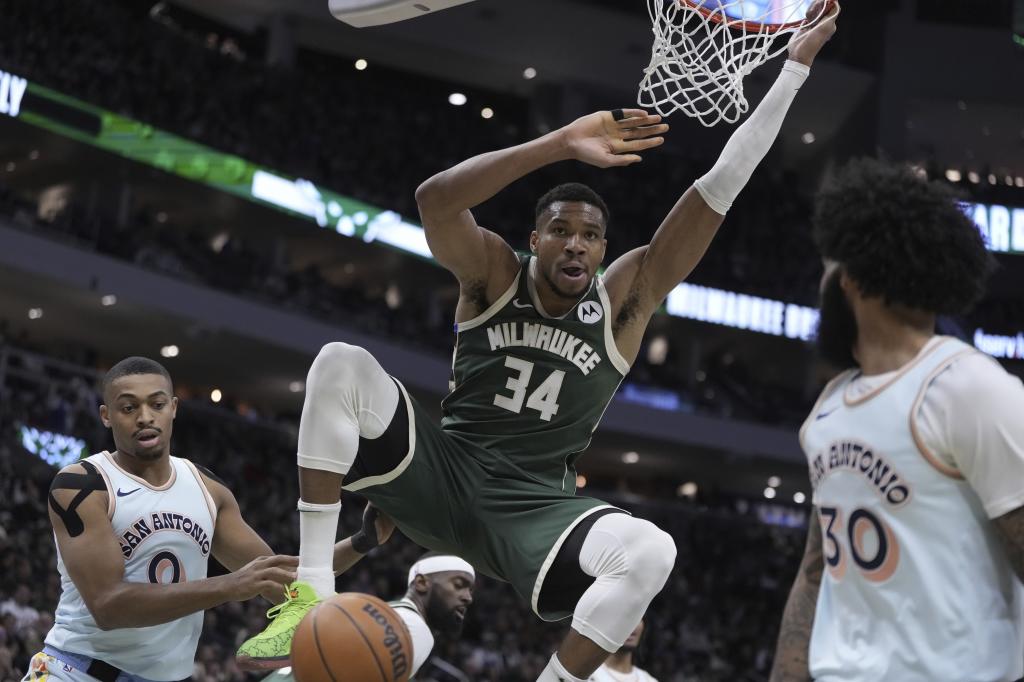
349 396
629 560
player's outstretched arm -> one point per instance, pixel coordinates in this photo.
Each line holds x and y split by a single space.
93 558
445 201
791 650
647 275
376 530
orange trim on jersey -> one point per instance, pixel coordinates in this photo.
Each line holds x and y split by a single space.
206 491
158 488
111 499
928 455
851 402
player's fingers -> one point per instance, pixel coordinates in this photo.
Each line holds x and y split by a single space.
641 144
281 560
646 131
623 160
278 575
639 121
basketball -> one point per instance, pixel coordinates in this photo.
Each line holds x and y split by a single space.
351 637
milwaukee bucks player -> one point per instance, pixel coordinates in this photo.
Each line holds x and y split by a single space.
542 344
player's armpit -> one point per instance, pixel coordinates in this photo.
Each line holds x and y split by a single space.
791 651
1010 528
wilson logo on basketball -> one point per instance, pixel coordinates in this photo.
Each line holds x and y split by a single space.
392 641
590 312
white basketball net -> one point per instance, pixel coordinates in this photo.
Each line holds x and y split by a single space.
703 51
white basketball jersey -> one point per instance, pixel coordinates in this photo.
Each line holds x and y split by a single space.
165 534
917 587
606 674
419 632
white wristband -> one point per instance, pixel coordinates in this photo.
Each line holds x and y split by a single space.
750 143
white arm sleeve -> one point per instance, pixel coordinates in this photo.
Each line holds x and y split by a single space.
972 418
751 141
422 638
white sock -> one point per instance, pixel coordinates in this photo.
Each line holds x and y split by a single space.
555 672
318 528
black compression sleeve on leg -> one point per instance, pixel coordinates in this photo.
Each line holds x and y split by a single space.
85 484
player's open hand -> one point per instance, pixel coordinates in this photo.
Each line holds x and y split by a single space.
601 140
806 43
264 575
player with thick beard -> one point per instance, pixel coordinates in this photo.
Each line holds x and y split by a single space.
915 552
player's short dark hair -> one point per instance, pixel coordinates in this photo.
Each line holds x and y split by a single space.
134 365
572 191
901 237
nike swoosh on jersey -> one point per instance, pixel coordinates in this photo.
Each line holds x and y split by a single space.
125 494
517 304
825 414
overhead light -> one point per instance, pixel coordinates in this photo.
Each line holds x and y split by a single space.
393 297
487 112
11 166
581 481
799 498
688 489
991 178
769 493
361 64
657 350
529 73
974 177
35 313
774 481
216 395
109 300
1019 181
169 351
808 138
630 457
33 155
701 375
1008 180
219 241
953 175
457 99
961 105
161 217
297 387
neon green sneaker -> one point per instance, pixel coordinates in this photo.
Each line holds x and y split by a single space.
270 649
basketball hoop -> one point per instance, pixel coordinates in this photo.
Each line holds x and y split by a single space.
703 49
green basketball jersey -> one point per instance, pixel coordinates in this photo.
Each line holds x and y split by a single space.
533 387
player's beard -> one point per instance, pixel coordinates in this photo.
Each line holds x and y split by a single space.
441 617
837 325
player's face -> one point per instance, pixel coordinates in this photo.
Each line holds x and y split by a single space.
837 327
451 593
569 243
139 410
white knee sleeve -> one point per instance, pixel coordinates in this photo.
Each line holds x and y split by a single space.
631 559
348 395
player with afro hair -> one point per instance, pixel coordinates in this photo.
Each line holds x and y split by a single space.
895 246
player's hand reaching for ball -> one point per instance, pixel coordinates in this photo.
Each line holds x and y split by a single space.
605 139
806 43
266 575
